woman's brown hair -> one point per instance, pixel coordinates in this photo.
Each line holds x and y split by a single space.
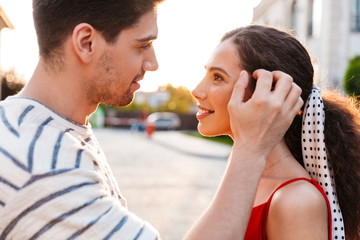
272 49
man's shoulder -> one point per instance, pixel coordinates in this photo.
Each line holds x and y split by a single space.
33 135
14 110
22 119
21 114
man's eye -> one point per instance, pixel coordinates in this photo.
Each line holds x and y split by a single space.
146 46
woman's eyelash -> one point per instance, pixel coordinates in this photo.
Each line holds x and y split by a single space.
218 77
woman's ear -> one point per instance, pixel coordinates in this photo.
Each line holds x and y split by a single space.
83 41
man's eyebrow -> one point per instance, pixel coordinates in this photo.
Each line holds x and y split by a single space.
147 39
211 69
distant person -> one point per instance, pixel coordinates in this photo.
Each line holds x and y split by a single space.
142 120
55 182
310 186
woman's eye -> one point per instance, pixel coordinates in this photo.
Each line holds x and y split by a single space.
217 77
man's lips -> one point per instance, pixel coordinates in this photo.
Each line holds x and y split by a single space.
137 80
135 83
139 77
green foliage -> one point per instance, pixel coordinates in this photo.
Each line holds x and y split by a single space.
224 139
352 77
180 99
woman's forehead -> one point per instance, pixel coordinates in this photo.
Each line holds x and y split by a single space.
224 56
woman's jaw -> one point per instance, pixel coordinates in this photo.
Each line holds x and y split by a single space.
210 124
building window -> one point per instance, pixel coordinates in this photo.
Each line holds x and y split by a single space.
314 18
355 16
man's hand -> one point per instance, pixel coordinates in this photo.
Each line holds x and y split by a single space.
262 121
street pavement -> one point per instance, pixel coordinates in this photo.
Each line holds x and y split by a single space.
168 179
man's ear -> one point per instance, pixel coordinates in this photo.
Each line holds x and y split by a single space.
83 41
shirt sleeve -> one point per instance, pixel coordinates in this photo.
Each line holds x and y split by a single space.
70 204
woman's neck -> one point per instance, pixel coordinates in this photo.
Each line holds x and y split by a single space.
280 167
282 164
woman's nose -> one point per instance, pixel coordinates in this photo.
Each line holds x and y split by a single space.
198 92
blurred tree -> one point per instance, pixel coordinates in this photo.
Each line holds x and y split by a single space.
352 77
180 100
11 84
166 99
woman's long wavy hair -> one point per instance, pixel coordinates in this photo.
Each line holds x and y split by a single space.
272 49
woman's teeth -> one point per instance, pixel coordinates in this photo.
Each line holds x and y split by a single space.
202 111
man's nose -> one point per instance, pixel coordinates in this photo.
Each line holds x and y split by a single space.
151 63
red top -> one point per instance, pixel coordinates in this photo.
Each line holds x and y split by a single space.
257 224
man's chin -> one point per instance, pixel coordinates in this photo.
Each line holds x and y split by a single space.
123 102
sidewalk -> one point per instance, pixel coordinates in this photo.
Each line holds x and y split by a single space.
169 179
193 146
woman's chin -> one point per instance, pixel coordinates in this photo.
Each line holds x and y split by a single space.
208 132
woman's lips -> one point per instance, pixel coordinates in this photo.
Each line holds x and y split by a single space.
202 113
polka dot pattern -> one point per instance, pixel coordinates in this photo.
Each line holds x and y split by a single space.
315 157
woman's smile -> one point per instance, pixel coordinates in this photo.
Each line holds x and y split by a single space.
203 112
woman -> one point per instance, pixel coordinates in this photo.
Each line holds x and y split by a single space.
297 197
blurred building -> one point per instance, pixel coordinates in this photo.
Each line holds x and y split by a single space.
329 28
4 23
154 99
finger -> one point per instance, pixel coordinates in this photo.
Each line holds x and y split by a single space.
292 113
291 103
240 86
263 83
283 84
298 106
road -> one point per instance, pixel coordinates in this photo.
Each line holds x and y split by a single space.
168 179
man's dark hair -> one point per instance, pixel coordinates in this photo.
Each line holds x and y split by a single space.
55 20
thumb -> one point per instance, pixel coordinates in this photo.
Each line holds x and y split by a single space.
240 86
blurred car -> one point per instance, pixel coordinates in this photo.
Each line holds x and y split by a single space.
164 120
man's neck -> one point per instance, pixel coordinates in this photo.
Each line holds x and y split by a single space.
62 92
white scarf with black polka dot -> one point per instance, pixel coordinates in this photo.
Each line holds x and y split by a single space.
315 157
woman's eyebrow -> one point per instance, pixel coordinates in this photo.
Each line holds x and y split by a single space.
211 69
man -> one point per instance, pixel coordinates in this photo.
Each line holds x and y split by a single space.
55 182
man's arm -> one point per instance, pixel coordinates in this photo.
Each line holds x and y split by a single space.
70 204
257 125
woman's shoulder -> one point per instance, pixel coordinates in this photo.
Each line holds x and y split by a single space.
300 193
298 205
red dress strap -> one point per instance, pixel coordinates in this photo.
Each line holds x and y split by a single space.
257 225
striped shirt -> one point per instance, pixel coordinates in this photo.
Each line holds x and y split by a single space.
55 182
